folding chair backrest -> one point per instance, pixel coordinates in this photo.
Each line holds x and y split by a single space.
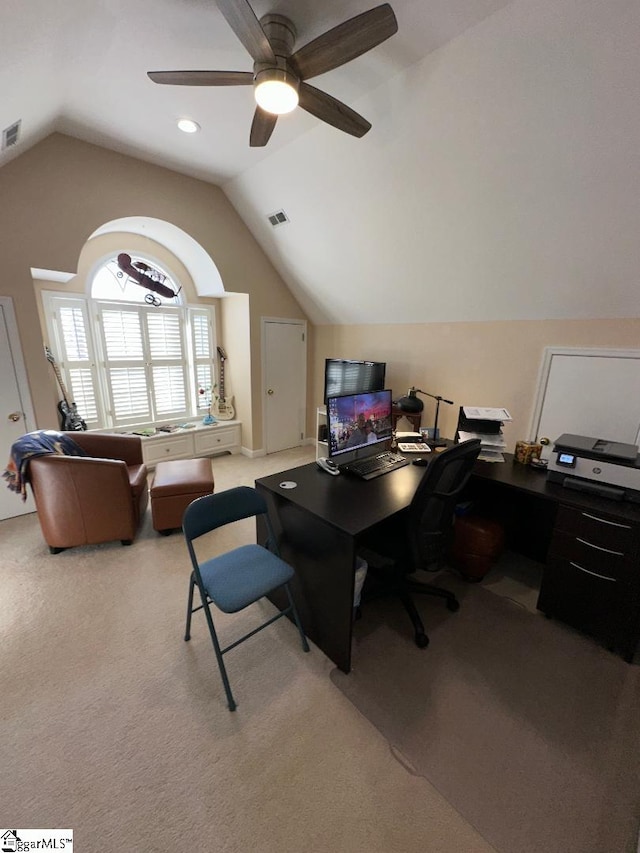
213 511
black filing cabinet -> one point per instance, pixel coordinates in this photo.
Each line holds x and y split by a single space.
592 576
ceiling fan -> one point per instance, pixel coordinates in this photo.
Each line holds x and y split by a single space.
279 75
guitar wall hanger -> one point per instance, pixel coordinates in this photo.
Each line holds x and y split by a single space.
147 277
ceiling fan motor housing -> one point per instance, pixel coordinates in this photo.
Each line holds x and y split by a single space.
280 32
263 72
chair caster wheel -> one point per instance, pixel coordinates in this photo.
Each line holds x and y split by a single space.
453 605
422 641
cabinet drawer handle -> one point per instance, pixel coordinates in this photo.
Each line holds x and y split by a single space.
599 548
595 574
604 521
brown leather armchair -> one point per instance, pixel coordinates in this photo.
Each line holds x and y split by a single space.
83 500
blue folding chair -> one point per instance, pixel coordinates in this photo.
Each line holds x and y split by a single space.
238 578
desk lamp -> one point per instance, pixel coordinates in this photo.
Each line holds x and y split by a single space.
412 405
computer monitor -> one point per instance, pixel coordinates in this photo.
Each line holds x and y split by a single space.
359 422
348 376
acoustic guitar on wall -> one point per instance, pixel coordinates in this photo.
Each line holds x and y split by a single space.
70 419
223 406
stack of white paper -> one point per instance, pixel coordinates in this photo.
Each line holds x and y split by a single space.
478 413
492 441
489 439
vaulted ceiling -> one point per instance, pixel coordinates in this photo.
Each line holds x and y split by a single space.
499 180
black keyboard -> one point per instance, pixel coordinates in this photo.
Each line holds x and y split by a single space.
375 466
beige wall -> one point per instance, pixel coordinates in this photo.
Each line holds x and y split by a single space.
55 195
235 324
473 364
58 193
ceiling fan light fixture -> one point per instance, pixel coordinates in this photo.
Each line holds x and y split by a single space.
187 125
276 91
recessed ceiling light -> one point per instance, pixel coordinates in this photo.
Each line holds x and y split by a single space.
188 126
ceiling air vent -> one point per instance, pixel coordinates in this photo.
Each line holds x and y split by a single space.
278 218
10 135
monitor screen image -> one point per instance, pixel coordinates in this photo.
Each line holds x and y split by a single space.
358 421
347 376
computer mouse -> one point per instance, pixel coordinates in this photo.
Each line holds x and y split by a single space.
420 461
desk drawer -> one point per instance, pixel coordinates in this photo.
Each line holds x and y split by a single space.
173 448
604 608
596 560
218 438
601 531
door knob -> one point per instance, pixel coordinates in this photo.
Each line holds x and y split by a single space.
270 391
14 416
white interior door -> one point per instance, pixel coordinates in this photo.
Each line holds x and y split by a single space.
284 372
589 392
16 411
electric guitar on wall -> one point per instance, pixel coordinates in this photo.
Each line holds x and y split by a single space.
70 420
223 406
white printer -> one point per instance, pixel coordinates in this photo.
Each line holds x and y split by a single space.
606 468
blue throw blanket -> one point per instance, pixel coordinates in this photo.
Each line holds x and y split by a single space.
33 444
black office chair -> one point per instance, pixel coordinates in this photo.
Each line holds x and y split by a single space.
419 540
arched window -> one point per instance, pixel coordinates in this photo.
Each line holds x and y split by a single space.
112 282
132 356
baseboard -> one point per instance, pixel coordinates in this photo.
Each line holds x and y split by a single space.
253 454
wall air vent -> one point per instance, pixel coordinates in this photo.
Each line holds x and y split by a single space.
278 218
10 135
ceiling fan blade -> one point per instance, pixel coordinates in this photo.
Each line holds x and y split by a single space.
202 78
242 20
261 127
344 42
334 112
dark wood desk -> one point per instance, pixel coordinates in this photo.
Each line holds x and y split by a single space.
320 523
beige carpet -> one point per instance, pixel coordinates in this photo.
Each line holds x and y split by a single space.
113 726
529 729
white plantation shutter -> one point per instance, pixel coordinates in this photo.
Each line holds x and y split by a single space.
83 392
125 364
74 333
72 338
200 323
169 374
203 381
122 333
144 365
169 389
202 344
129 393
165 336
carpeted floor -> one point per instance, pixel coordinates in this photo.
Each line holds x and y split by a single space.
530 730
114 727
